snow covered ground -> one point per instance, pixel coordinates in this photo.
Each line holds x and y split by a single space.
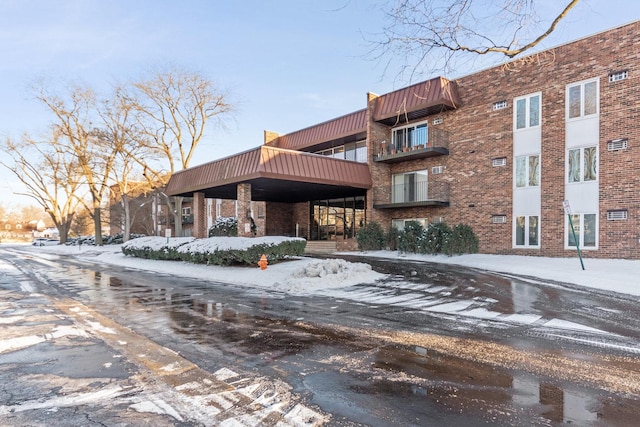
308 275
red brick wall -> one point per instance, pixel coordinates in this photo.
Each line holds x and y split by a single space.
478 134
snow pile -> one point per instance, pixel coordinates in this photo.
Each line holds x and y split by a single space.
337 267
319 275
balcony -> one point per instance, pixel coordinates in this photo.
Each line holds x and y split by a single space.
416 194
437 144
187 219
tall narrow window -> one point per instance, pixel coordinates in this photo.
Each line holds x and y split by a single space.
582 99
527 231
586 231
582 164
527 112
528 171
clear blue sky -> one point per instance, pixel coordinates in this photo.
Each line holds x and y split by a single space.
288 64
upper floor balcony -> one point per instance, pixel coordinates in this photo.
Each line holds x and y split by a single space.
415 194
412 144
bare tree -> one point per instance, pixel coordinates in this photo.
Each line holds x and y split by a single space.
174 108
128 181
427 34
93 149
50 176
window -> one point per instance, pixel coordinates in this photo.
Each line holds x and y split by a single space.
409 187
582 164
527 231
500 105
528 171
410 136
438 121
618 75
356 151
527 111
585 227
582 99
437 170
186 211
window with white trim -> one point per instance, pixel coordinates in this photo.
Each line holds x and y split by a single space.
410 136
528 171
586 231
527 111
582 99
582 164
527 231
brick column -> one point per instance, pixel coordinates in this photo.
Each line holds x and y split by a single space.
199 217
244 209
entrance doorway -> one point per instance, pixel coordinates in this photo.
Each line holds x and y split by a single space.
337 218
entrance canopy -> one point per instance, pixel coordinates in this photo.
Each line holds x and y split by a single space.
276 175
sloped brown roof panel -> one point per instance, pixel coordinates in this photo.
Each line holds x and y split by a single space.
437 92
341 127
274 163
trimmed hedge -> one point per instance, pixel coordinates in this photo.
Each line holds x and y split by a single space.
216 250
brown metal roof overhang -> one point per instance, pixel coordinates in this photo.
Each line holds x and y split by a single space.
347 128
275 174
419 100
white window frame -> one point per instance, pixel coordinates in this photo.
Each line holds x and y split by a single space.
581 165
527 116
404 143
582 86
527 171
527 224
580 231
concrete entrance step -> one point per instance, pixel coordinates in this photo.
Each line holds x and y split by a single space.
320 247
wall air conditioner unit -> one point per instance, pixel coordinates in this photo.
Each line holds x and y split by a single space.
617 144
437 170
499 219
617 215
502 161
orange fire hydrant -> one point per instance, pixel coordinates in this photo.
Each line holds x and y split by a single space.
263 262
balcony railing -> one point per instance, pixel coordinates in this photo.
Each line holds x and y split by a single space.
415 194
187 219
437 144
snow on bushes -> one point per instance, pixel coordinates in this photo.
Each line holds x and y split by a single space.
216 250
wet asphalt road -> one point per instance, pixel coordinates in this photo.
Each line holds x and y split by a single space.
431 345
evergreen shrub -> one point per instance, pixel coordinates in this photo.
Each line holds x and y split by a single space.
371 237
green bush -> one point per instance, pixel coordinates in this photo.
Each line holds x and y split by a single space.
370 237
409 239
216 250
391 239
435 238
463 241
224 226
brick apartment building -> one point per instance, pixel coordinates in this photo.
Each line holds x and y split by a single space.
499 150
